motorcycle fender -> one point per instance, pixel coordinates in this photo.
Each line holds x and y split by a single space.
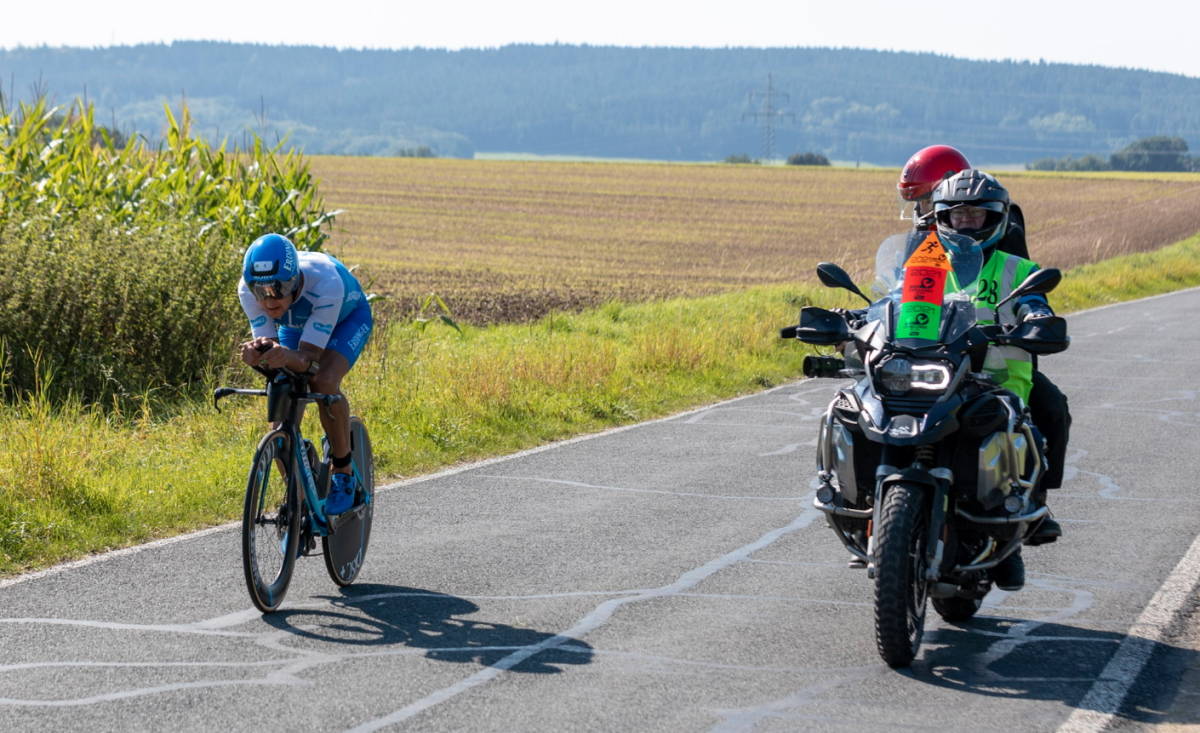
909 475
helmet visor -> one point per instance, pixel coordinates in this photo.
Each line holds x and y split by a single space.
274 289
969 216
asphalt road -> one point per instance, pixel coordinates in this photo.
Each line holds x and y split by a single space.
668 576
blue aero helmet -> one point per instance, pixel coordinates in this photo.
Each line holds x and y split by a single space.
271 267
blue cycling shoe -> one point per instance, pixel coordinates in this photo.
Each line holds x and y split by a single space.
341 493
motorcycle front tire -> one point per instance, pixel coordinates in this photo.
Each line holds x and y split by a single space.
901 589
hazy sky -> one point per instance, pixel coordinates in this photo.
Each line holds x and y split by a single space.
1151 34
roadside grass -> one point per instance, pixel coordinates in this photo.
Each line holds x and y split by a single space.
1129 277
76 479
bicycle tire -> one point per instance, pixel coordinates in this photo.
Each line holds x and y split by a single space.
346 549
270 523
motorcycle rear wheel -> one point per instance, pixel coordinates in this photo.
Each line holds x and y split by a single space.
901 589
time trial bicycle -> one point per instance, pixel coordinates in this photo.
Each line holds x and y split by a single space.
285 494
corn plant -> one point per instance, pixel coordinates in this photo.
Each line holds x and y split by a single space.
120 262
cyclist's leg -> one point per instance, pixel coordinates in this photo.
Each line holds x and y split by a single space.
345 345
335 418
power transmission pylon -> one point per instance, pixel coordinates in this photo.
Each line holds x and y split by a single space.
768 112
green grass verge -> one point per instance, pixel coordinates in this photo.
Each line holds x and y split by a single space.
75 479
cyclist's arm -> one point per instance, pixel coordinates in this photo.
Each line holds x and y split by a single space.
281 357
328 293
261 325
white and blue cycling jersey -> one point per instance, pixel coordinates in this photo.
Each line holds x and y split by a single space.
331 310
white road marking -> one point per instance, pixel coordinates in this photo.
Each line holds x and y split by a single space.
690 494
789 448
1097 710
597 618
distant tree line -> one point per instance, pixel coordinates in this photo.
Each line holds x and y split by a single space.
1156 153
807 159
663 103
421 151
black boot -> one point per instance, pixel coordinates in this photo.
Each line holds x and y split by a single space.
1047 530
1010 573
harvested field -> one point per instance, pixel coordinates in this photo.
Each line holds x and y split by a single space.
513 240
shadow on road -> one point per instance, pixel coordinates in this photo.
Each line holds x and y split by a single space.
385 615
993 656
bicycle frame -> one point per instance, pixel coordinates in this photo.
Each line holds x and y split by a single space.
282 521
286 398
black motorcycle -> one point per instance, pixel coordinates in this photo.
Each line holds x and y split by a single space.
927 468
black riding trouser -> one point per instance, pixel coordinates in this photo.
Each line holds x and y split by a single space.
1048 407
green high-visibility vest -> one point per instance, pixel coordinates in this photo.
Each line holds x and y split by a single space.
1011 366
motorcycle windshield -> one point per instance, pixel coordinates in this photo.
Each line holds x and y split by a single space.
927 283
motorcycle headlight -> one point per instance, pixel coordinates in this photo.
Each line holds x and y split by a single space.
899 375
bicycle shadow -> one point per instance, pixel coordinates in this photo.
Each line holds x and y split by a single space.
1013 658
385 615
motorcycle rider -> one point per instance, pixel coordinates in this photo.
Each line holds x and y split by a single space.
921 175
974 204
927 168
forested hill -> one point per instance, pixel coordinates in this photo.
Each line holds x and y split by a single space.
665 103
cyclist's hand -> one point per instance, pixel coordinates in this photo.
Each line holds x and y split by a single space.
253 350
277 357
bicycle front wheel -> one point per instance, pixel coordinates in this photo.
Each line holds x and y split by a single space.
270 523
346 548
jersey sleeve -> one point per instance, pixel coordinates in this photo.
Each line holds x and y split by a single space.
260 323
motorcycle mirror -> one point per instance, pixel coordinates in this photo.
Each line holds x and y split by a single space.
1039 282
832 276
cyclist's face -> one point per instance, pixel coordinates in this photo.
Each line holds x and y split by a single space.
968 217
275 307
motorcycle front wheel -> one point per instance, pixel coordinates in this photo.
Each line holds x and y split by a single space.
901 589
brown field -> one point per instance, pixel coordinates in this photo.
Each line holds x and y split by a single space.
512 240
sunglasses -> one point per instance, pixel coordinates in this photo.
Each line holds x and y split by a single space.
276 290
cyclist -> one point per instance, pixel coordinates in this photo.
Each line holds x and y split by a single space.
308 314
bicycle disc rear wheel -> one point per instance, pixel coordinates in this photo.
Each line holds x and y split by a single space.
346 548
270 523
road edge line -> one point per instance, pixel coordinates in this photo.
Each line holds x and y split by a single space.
1100 706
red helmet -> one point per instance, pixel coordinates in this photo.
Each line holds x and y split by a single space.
926 169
